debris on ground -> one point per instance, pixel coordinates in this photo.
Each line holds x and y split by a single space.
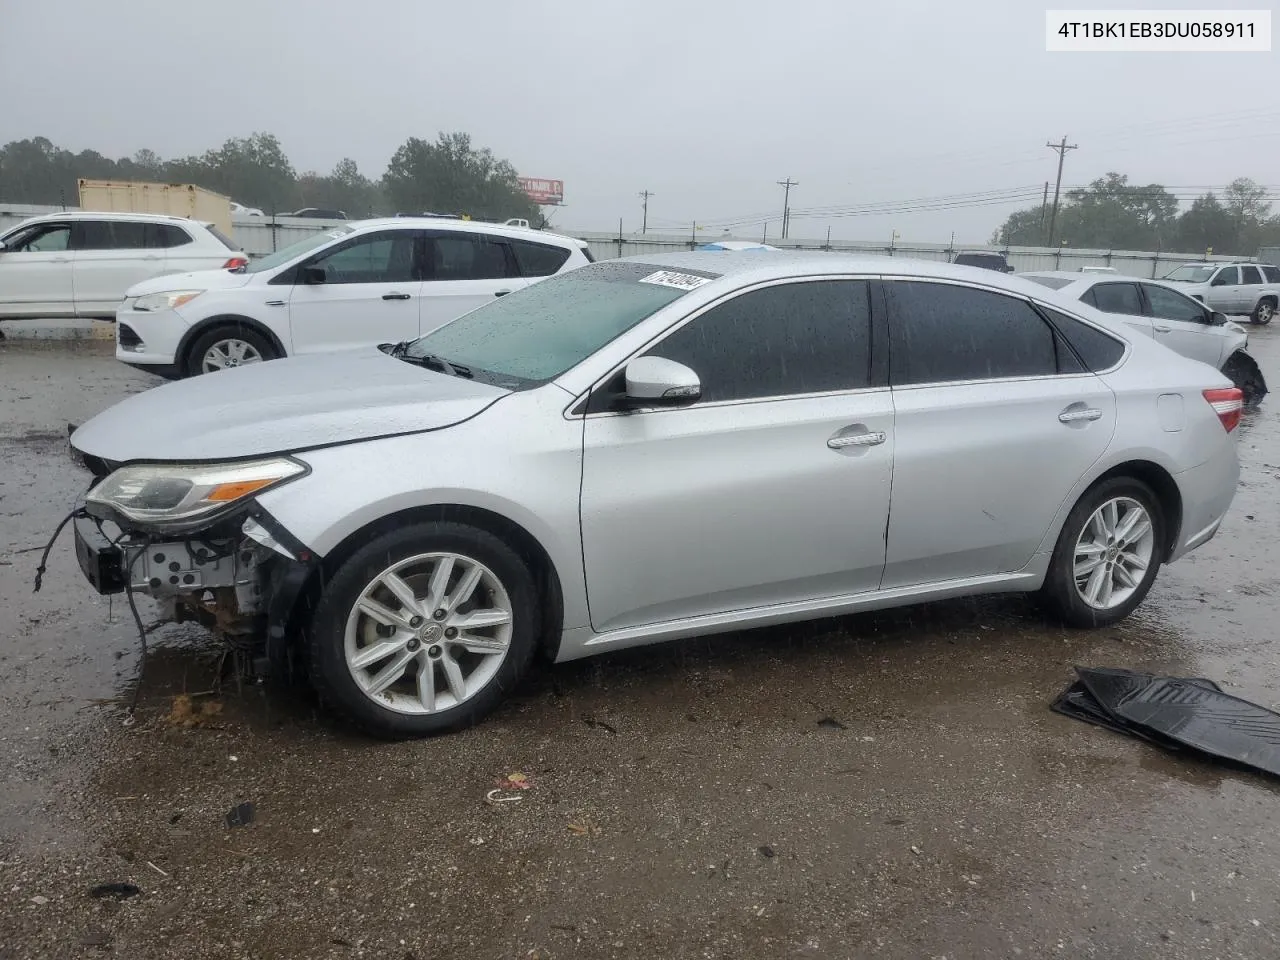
583 829
241 814
515 781
39 901
116 891
831 723
595 724
184 713
766 851
1177 713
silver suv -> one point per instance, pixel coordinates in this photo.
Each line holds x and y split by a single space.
1239 289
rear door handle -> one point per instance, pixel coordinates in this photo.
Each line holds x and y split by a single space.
1163 329
1075 416
872 439
395 296
502 293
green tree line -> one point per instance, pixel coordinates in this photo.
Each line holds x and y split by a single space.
448 175
1114 214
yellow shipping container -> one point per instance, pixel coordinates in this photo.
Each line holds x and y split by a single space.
174 199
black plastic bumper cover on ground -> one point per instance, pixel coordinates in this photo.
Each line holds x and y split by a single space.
1176 713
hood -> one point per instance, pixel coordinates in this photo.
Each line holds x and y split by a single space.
197 280
282 406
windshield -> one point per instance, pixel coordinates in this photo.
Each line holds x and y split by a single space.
1053 283
538 333
281 257
1192 274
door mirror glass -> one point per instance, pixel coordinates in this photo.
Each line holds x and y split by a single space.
659 381
1217 319
311 274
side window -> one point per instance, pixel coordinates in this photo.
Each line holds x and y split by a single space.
1098 350
376 258
50 238
165 235
1250 275
941 333
128 236
780 341
461 256
1171 305
1226 277
1118 298
538 259
94 235
1272 274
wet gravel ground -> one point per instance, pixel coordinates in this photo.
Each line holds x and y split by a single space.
890 785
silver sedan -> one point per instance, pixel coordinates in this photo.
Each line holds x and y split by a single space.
648 449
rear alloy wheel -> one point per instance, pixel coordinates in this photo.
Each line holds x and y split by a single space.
1264 312
227 347
1107 555
424 630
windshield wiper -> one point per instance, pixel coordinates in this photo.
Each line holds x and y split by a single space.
433 362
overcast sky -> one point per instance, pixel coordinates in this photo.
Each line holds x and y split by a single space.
706 104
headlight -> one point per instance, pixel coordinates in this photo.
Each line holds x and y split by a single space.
160 493
168 300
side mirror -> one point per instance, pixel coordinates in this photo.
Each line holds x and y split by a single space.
312 275
1219 281
657 381
1217 319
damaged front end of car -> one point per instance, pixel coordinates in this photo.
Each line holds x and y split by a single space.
193 537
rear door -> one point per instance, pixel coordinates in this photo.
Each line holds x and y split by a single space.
771 488
110 257
371 293
1122 299
1182 324
995 420
463 271
36 271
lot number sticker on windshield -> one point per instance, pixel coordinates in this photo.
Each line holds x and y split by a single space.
670 278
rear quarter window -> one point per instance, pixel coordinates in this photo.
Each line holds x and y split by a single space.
1272 274
1097 350
222 237
538 259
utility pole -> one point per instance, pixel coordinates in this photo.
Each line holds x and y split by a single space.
786 185
1061 149
1044 208
644 196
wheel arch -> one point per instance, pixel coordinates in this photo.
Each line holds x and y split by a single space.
515 535
181 358
1165 488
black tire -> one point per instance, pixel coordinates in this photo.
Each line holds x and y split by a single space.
1059 592
1263 316
192 365
1244 373
332 678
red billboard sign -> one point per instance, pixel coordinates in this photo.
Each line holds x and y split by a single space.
548 192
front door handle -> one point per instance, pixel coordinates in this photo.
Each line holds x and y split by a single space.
1163 329
275 303
1075 416
395 296
502 293
873 439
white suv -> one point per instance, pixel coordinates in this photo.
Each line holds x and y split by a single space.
367 282
80 264
1241 289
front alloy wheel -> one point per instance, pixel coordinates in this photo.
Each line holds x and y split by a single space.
230 352
428 633
424 629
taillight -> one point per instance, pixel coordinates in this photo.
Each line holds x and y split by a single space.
1227 403
236 263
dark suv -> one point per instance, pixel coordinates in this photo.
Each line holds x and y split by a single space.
987 261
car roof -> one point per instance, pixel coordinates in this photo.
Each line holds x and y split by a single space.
475 226
113 215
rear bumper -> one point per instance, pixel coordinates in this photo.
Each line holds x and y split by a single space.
1207 492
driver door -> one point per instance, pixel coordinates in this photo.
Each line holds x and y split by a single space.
1182 324
36 270
371 294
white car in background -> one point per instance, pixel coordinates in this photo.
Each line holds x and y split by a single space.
1167 315
1240 289
80 264
358 284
